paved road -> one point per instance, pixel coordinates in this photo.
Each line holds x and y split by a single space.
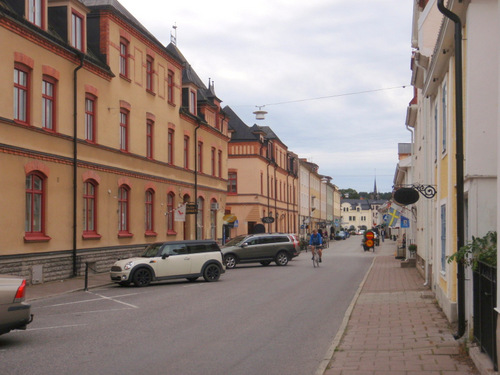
255 320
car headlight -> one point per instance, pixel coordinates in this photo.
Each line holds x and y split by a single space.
128 266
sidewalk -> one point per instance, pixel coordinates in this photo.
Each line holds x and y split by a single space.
396 327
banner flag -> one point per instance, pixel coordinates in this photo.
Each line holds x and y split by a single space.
405 222
391 219
180 213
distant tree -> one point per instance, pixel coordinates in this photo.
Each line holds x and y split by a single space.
386 196
364 195
349 193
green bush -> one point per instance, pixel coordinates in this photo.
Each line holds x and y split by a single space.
482 249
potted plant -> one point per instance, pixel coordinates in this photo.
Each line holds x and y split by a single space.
412 249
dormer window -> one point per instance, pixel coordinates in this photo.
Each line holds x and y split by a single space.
36 12
77 31
192 102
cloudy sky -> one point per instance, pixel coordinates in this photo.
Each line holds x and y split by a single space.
333 75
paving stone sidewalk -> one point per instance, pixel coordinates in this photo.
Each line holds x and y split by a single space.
397 328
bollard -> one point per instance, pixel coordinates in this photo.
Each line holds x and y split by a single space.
86 277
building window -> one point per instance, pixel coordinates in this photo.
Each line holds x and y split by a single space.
170 82
186 152
124 58
232 183
219 162
199 229
213 162
444 119
48 103
149 73
90 209
443 238
35 207
149 212
192 102
36 12
200 157
149 139
90 117
123 211
170 213
21 93
77 31
170 151
124 130
213 220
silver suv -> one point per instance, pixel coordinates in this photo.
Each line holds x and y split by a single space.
171 260
261 248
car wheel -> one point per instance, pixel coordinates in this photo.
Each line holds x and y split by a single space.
266 263
191 279
281 258
230 261
142 277
212 272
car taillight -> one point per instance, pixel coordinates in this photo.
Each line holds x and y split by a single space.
21 291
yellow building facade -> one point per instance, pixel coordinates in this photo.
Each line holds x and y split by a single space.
262 181
104 135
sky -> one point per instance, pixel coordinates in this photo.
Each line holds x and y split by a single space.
333 75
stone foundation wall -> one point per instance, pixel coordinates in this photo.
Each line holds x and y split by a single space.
40 268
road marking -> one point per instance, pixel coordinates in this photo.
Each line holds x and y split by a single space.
101 298
107 310
115 300
55 327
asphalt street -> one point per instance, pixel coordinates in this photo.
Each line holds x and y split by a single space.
255 320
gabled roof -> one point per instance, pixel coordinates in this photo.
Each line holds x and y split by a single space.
115 4
241 132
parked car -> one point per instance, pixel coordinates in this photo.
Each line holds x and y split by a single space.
340 235
14 312
171 260
261 248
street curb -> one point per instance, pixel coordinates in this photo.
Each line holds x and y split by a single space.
336 341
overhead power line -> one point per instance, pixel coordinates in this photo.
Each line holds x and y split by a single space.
336 96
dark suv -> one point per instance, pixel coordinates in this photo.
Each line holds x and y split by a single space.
261 248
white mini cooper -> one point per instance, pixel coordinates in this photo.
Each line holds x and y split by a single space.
171 260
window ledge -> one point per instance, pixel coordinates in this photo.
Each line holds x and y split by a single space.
150 234
171 233
36 237
125 78
91 236
125 235
150 92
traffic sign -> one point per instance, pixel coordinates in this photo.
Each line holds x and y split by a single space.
369 235
369 243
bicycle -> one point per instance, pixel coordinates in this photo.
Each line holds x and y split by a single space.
315 257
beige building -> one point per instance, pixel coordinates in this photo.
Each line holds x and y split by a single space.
455 120
105 132
262 181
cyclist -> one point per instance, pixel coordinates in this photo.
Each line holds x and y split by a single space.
315 242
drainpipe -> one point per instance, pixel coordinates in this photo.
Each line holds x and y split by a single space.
460 164
268 199
196 179
275 200
75 154
411 238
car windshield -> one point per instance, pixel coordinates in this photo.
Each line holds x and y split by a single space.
152 250
235 241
